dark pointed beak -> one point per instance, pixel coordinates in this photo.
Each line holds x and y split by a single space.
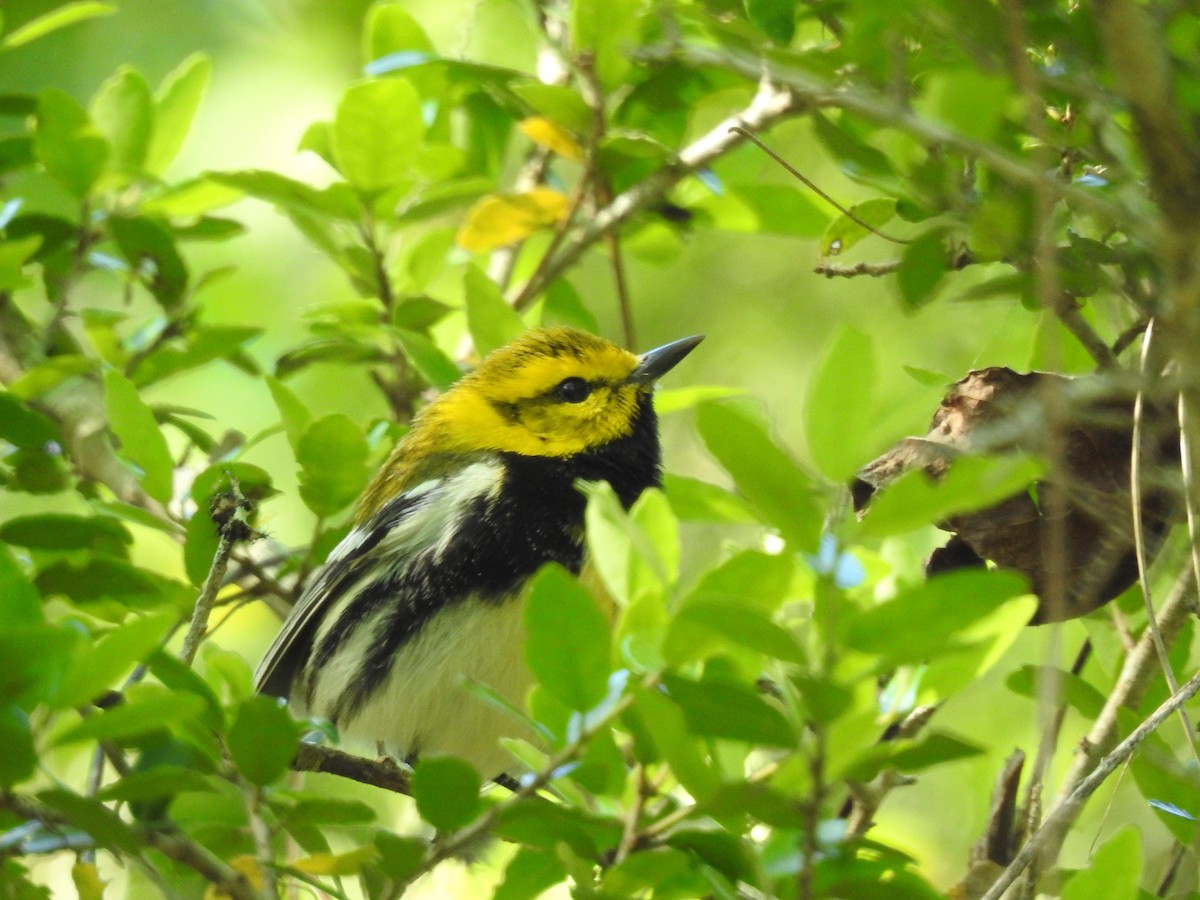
653 364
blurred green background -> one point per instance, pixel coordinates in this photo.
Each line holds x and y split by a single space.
280 65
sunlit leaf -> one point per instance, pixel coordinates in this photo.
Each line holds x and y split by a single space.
67 14
123 111
262 739
491 321
376 133
568 636
141 440
447 791
503 219
840 408
552 136
846 231
175 105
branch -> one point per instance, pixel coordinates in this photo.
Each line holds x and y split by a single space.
770 105
380 773
809 90
874 270
1068 808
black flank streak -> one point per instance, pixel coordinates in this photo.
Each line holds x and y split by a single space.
537 518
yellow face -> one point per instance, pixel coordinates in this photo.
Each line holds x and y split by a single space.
553 392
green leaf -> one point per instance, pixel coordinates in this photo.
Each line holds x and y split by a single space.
103 578
924 265
57 531
292 412
855 157
95 667
19 601
705 627
67 143
332 454
399 856
95 818
844 232
46 375
695 500
67 14
123 111
151 252
567 647
839 411
13 257
141 441
931 615
390 28
1028 681
724 709
970 101
609 30
631 563
201 345
971 482
200 546
447 792
557 102
336 201
376 133
146 708
155 783
175 104
491 321
428 359
764 473
1115 871
528 874
905 755
263 739
774 18
19 760
24 427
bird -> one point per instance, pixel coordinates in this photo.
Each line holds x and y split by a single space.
480 493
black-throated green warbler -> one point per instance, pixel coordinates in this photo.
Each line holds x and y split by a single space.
476 497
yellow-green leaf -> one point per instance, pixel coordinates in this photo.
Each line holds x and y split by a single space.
501 219
552 136
337 863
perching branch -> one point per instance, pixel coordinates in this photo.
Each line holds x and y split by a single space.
380 773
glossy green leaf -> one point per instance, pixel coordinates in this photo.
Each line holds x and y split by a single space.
1114 872
376 133
567 647
705 626
491 321
556 102
61 17
1030 681
200 546
971 482
95 668
175 105
846 231
332 454
67 143
840 407
141 441
123 111
201 345
781 492
262 739
447 791
13 257
931 615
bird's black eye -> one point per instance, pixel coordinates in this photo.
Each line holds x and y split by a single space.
573 390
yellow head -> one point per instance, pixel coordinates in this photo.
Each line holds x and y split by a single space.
554 392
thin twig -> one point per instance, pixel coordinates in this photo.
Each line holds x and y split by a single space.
770 105
1068 313
873 270
1068 808
811 185
252 794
